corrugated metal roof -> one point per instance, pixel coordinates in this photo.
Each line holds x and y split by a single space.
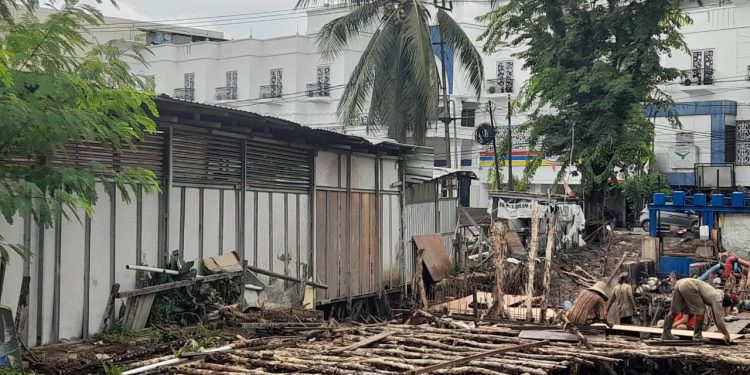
372 141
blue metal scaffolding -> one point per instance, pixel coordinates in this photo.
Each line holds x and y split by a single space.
737 202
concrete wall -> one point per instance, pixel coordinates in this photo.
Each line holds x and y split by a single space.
734 230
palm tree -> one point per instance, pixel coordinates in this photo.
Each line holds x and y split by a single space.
397 74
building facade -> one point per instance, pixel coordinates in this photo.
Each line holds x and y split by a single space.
712 99
287 78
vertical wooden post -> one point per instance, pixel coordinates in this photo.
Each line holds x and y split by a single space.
533 248
497 236
109 310
419 281
22 310
551 235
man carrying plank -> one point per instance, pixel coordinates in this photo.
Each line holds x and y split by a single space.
695 295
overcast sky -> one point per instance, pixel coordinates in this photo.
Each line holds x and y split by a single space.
232 15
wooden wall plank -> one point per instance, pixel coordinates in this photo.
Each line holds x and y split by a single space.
356 249
321 243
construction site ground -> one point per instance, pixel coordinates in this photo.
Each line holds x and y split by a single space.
400 347
411 341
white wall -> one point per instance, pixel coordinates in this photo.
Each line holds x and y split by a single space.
281 237
665 137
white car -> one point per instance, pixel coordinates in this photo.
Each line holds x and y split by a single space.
684 219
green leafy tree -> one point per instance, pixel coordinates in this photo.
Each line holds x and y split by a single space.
396 82
639 189
594 66
56 88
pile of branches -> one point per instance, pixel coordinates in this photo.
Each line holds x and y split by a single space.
190 305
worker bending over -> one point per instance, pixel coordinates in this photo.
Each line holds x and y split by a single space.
622 299
590 306
695 295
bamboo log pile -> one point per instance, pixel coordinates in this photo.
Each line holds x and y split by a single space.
399 348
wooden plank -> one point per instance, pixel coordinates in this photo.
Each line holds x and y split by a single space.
514 242
676 332
285 277
109 307
551 236
375 246
143 311
321 243
345 268
734 327
137 310
356 233
22 313
547 334
533 248
497 236
175 284
464 360
332 223
365 342
367 232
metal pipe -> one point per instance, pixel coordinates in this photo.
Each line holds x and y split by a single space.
285 277
151 269
711 270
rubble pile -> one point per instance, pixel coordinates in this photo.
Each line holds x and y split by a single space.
598 260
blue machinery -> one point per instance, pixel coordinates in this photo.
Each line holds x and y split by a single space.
678 202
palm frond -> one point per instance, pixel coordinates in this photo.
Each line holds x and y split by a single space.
419 65
336 34
357 90
468 56
7 7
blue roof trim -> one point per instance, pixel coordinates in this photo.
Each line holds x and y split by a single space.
708 107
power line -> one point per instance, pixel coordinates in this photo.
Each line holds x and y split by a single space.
225 16
240 21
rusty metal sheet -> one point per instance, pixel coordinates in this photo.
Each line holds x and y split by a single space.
435 256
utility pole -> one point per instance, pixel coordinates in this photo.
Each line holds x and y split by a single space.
495 200
446 117
494 144
510 148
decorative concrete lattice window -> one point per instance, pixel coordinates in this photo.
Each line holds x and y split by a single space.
743 143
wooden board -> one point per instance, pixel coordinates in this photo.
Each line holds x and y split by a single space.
514 242
137 310
548 334
676 332
462 305
733 327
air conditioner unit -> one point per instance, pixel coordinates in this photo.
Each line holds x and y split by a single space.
747 76
493 87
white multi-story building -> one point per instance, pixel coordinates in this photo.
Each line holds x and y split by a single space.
286 77
713 98
150 33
